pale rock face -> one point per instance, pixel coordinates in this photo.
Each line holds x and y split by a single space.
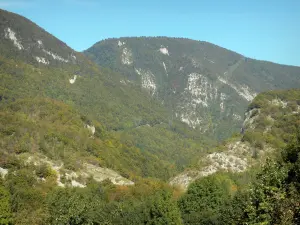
184 179
226 161
123 82
72 80
191 119
74 183
40 44
222 107
91 128
164 50
212 62
99 174
279 103
71 176
250 118
223 97
126 56
234 159
165 68
247 93
88 170
55 56
3 172
199 92
196 63
236 117
73 56
243 90
10 34
198 87
126 82
120 43
148 80
42 60
60 184
54 166
297 111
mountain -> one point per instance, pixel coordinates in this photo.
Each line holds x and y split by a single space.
82 144
136 129
203 85
132 132
270 124
23 40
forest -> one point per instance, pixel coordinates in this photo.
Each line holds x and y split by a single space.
269 195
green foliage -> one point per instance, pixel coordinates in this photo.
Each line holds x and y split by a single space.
274 196
97 96
271 197
204 198
161 209
73 206
276 116
254 137
27 197
58 131
5 207
91 206
232 212
43 171
100 99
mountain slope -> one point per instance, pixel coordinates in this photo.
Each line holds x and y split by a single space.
97 95
271 121
24 40
203 85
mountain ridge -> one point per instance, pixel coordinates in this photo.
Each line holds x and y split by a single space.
123 112
203 85
189 39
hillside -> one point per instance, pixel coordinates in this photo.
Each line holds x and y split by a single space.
271 122
23 40
203 85
130 123
135 143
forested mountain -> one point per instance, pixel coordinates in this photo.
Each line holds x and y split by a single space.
83 144
134 130
203 85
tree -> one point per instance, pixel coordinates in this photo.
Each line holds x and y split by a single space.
274 196
161 209
73 206
204 199
5 208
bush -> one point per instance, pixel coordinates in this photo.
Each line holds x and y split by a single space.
43 171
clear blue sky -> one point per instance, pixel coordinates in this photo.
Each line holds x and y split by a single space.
261 29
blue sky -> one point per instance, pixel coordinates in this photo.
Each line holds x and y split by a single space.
261 29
